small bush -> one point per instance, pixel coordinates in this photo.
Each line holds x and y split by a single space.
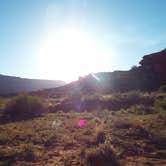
4 138
162 88
158 139
23 107
138 132
91 102
27 152
101 156
160 105
1 103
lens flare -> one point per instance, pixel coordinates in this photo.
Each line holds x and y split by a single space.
81 123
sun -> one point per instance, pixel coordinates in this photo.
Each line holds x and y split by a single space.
68 54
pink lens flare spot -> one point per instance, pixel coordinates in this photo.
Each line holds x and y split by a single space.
81 123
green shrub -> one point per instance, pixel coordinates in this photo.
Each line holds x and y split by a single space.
102 155
23 107
141 110
136 97
125 100
160 105
27 152
162 88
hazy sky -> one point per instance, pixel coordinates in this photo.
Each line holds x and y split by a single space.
124 30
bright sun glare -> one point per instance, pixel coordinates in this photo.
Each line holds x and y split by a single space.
68 54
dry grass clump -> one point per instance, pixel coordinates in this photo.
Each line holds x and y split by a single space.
4 138
23 152
99 135
102 155
27 152
122 123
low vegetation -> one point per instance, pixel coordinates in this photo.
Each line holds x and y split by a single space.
114 101
123 129
22 107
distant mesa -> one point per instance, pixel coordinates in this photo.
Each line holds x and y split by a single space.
148 76
12 85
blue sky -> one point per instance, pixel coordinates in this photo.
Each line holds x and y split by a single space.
125 29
